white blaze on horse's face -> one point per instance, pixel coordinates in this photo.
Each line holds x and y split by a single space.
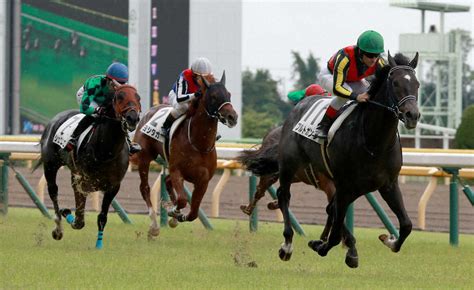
407 77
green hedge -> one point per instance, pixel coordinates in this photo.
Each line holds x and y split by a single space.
465 134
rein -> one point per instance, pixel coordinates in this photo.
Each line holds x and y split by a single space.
395 106
194 146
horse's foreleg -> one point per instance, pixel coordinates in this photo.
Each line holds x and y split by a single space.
50 173
143 169
264 183
198 194
177 181
102 217
77 222
286 176
393 196
338 208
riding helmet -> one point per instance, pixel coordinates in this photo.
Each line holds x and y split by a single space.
370 41
118 71
201 66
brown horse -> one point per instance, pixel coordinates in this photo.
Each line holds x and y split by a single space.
192 149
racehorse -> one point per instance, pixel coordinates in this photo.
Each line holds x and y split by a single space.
263 162
192 155
99 165
364 155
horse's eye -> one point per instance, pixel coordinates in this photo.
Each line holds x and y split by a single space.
137 96
396 84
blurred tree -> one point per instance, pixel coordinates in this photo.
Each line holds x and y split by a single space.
263 107
464 138
304 71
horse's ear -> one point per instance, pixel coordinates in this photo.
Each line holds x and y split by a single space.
205 81
413 63
222 81
391 61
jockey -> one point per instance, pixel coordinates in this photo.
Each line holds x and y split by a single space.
311 90
345 75
187 87
97 91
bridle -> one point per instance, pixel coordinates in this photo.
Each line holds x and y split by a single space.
395 105
120 117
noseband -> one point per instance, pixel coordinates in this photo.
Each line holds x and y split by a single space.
395 105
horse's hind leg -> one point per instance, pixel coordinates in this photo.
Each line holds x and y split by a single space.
50 173
393 196
264 183
143 170
102 217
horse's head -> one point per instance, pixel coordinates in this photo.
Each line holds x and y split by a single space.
127 107
403 88
217 102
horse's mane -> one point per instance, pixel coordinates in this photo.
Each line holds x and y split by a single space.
382 74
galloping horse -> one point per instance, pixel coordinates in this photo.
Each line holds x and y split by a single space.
100 164
263 162
364 156
192 150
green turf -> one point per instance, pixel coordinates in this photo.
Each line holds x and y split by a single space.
228 257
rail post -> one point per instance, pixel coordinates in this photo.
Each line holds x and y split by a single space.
254 215
382 215
453 206
121 212
350 218
4 162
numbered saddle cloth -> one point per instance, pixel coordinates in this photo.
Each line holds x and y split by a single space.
307 125
64 132
153 126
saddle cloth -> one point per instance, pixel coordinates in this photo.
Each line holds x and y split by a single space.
307 125
64 132
153 126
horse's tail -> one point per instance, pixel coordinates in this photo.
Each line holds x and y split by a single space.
258 163
263 161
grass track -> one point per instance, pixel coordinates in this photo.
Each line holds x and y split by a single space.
190 257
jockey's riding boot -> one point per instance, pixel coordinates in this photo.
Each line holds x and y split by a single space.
133 147
165 129
323 127
83 124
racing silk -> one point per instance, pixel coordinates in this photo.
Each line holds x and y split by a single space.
347 66
97 92
185 86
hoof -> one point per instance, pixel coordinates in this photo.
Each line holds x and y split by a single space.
173 222
389 241
245 209
273 205
352 261
315 245
64 212
284 256
57 235
154 232
77 225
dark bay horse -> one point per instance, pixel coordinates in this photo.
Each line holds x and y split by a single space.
263 162
100 164
364 156
192 150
